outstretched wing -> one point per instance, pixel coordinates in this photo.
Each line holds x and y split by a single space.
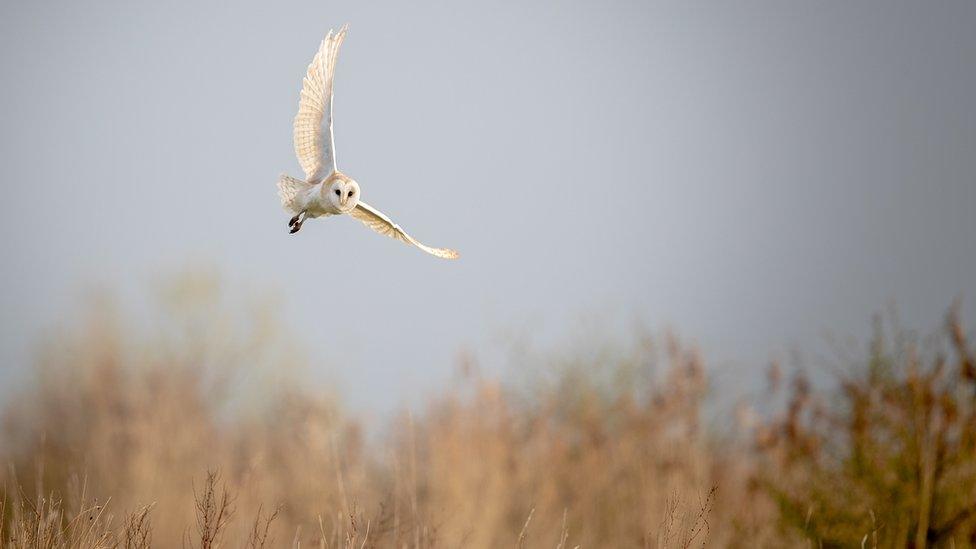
374 219
314 144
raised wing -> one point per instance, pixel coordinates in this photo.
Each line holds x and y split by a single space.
374 219
314 143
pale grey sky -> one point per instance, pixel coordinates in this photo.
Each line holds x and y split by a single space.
750 173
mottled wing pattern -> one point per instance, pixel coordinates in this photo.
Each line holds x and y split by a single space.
290 190
314 142
374 219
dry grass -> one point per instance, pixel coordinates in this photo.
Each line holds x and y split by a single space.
610 450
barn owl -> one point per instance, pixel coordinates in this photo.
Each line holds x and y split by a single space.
325 190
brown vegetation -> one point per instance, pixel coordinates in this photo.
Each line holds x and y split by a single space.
177 439
891 458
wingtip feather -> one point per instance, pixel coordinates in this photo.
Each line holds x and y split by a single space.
444 253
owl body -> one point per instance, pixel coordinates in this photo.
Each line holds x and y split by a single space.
337 194
326 191
314 206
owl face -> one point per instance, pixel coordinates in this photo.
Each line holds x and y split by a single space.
343 194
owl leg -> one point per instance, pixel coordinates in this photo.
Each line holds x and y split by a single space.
296 222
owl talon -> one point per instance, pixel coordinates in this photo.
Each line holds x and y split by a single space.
296 222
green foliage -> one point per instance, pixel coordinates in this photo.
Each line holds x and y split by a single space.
891 459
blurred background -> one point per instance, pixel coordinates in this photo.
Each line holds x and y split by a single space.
762 178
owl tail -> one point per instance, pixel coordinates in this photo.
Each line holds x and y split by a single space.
291 190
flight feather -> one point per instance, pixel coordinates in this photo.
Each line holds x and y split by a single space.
314 141
379 222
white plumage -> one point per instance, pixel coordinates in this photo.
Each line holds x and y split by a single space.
325 190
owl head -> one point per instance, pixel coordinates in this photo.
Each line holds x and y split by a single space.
342 192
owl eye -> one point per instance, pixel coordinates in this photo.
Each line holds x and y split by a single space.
338 192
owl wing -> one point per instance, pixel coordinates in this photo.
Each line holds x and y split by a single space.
290 191
314 143
376 220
